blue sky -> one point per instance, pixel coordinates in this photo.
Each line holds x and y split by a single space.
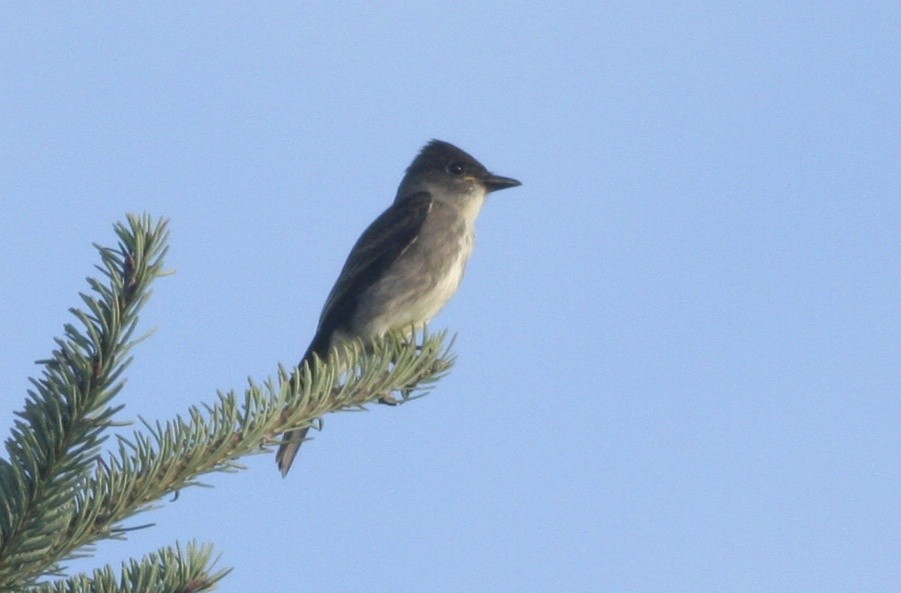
678 341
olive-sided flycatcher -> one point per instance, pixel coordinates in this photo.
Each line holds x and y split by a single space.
408 264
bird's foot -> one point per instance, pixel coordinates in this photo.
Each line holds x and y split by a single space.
389 400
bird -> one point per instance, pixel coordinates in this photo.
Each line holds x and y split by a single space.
409 262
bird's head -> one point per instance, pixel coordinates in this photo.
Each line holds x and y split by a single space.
443 168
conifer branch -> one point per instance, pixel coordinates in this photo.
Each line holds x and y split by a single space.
59 432
169 570
165 458
59 495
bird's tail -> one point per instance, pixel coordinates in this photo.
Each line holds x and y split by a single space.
291 442
292 439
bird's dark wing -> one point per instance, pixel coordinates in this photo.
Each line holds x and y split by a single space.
376 250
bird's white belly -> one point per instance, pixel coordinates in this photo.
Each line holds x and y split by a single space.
415 302
443 290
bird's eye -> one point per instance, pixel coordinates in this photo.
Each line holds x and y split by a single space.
456 168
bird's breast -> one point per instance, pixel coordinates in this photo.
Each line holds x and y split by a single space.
425 276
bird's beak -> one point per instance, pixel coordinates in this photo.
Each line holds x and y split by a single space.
496 182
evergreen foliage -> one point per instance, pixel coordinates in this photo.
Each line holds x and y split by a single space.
61 491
